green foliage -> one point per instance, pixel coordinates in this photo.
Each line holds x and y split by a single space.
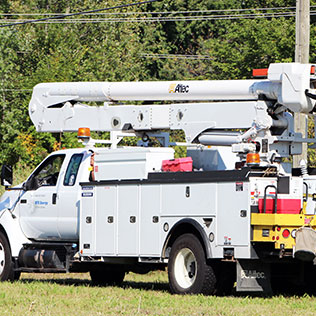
34 53
246 45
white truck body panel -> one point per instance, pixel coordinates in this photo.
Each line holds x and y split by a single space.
12 228
130 217
311 200
129 163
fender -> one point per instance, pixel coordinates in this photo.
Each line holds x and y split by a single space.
197 228
9 223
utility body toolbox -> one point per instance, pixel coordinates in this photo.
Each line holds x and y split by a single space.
129 163
179 164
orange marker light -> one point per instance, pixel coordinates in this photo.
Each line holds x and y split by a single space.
253 159
263 72
84 132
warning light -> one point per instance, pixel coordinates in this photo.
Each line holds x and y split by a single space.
84 132
286 233
253 159
260 73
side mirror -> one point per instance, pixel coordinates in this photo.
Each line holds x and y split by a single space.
6 175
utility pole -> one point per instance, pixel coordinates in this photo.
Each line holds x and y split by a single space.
301 56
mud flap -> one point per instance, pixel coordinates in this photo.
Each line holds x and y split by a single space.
253 276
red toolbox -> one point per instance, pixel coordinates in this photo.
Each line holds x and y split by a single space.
179 164
284 206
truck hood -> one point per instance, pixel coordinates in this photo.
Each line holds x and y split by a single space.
9 199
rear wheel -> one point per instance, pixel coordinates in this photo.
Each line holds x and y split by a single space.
188 270
107 276
6 264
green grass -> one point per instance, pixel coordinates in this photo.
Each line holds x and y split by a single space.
72 294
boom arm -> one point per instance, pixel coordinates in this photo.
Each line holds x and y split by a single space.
56 107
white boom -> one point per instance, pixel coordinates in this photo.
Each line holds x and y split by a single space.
256 105
286 84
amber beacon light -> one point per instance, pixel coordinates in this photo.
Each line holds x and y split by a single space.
253 159
83 133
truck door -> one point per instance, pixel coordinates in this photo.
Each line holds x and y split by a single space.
68 198
38 204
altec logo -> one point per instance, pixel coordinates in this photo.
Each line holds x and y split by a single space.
178 88
252 274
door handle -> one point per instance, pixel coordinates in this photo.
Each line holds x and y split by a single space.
54 198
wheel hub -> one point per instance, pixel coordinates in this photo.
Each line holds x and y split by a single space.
185 268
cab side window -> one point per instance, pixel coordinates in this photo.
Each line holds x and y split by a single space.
72 170
47 173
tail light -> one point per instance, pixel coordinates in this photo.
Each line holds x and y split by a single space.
286 233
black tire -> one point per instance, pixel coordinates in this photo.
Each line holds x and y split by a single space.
6 264
107 276
16 275
188 270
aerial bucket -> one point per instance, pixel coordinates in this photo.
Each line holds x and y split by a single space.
305 248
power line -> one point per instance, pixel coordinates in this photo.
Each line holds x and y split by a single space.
160 12
55 19
169 19
62 16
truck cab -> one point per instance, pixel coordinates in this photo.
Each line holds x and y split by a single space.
48 208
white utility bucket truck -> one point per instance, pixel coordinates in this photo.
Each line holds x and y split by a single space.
231 211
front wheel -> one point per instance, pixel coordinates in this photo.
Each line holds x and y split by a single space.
188 270
6 264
